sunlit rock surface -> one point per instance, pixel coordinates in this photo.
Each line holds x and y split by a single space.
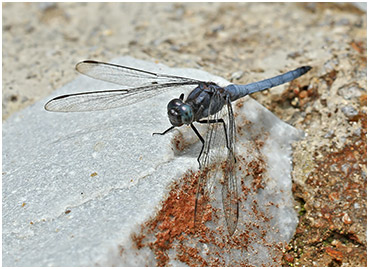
96 188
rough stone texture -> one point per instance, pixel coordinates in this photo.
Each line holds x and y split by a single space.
246 42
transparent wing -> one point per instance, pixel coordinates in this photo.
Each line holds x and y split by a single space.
229 189
142 85
101 100
219 148
127 76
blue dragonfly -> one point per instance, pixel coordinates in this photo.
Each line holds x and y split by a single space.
203 105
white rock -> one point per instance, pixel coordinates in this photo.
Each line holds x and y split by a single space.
76 186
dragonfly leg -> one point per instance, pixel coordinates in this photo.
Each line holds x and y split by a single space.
202 141
166 131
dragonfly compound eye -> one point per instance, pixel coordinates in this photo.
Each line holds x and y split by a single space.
186 113
179 113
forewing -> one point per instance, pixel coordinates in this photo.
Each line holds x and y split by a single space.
127 76
101 100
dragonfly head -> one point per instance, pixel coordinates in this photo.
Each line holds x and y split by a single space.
179 113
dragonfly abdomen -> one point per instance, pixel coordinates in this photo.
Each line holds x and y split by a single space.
239 91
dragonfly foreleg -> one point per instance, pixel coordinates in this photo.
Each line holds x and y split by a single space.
202 141
166 131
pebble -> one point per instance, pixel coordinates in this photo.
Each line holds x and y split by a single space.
357 132
237 75
349 111
346 219
350 91
303 94
329 134
295 102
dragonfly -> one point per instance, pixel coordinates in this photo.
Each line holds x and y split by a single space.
203 105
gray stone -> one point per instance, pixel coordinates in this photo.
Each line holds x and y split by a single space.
76 186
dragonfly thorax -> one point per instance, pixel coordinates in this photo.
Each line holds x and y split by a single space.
179 113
